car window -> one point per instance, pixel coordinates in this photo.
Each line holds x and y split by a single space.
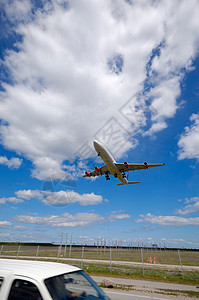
23 290
1 281
75 285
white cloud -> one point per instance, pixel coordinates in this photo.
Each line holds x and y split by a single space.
67 197
13 163
114 217
168 220
17 10
164 104
64 220
63 86
190 208
55 198
20 228
191 200
5 235
189 140
15 200
5 224
173 57
29 194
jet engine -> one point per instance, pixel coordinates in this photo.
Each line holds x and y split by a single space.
126 164
97 169
88 174
146 165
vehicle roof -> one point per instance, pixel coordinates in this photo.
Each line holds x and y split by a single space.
38 270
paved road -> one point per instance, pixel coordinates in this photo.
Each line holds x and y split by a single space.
147 284
125 295
142 289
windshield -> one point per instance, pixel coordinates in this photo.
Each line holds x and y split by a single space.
75 285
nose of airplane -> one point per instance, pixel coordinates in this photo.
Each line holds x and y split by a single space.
96 144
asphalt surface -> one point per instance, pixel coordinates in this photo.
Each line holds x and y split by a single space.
130 289
125 295
147 284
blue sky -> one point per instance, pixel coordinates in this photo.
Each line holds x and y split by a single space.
125 73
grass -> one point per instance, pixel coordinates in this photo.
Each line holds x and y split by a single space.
191 278
169 257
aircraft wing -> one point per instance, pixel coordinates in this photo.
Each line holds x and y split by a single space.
96 172
133 167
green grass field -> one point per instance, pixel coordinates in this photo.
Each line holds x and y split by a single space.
151 271
189 258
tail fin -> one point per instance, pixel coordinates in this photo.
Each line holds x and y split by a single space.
130 182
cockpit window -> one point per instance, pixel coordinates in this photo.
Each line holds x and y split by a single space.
75 285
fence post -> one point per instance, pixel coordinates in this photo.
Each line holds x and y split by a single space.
65 248
1 249
110 260
71 239
104 246
18 251
82 257
58 253
142 260
180 263
37 252
97 245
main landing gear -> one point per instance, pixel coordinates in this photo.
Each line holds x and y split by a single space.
123 175
107 177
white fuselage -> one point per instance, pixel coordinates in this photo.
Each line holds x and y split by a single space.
109 161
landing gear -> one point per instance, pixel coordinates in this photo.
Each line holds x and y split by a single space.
107 177
123 175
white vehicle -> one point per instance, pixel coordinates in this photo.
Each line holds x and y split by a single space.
116 169
36 280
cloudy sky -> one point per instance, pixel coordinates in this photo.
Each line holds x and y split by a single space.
123 72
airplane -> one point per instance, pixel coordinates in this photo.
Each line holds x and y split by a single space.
111 167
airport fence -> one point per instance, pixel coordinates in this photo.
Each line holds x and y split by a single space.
131 261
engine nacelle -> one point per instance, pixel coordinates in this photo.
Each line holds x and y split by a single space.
146 165
97 169
126 164
87 174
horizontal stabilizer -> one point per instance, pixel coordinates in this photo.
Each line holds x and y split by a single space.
130 182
